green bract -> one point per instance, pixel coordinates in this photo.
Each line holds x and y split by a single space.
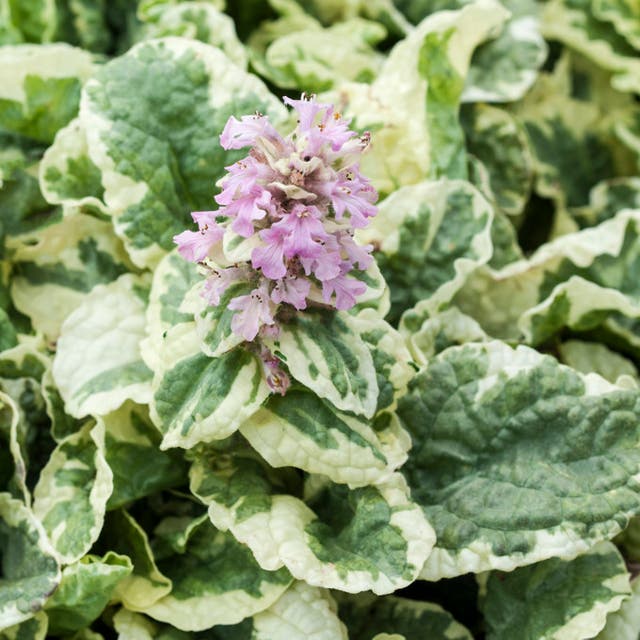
454 456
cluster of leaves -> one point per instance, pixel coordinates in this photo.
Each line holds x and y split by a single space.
468 433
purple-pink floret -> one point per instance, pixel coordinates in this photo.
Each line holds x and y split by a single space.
297 200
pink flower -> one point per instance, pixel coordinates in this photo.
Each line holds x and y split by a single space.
346 290
244 133
303 231
194 246
292 290
255 310
219 280
245 210
354 195
269 257
307 109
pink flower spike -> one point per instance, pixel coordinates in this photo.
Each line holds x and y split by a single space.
346 290
293 291
244 133
255 310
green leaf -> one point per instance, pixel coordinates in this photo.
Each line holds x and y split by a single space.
581 280
501 491
503 70
132 452
624 15
431 235
200 399
556 599
71 496
215 581
55 267
592 356
68 176
606 199
145 584
353 540
62 424
365 616
85 590
98 364
34 628
173 278
40 88
324 351
213 323
195 20
157 165
391 357
301 430
574 23
569 139
414 101
427 334
30 571
314 58
497 139
624 624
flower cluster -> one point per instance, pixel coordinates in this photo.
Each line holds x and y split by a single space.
296 202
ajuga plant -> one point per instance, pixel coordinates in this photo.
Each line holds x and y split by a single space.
296 202
356 363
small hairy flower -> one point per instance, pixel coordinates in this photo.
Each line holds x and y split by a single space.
296 200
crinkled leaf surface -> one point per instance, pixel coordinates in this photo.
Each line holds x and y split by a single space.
301 613
195 20
157 165
323 351
304 431
55 267
353 540
410 619
30 570
580 280
71 496
431 236
98 364
215 581
85 589
40 88
517 458
556 599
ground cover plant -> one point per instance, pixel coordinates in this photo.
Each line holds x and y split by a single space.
319 320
